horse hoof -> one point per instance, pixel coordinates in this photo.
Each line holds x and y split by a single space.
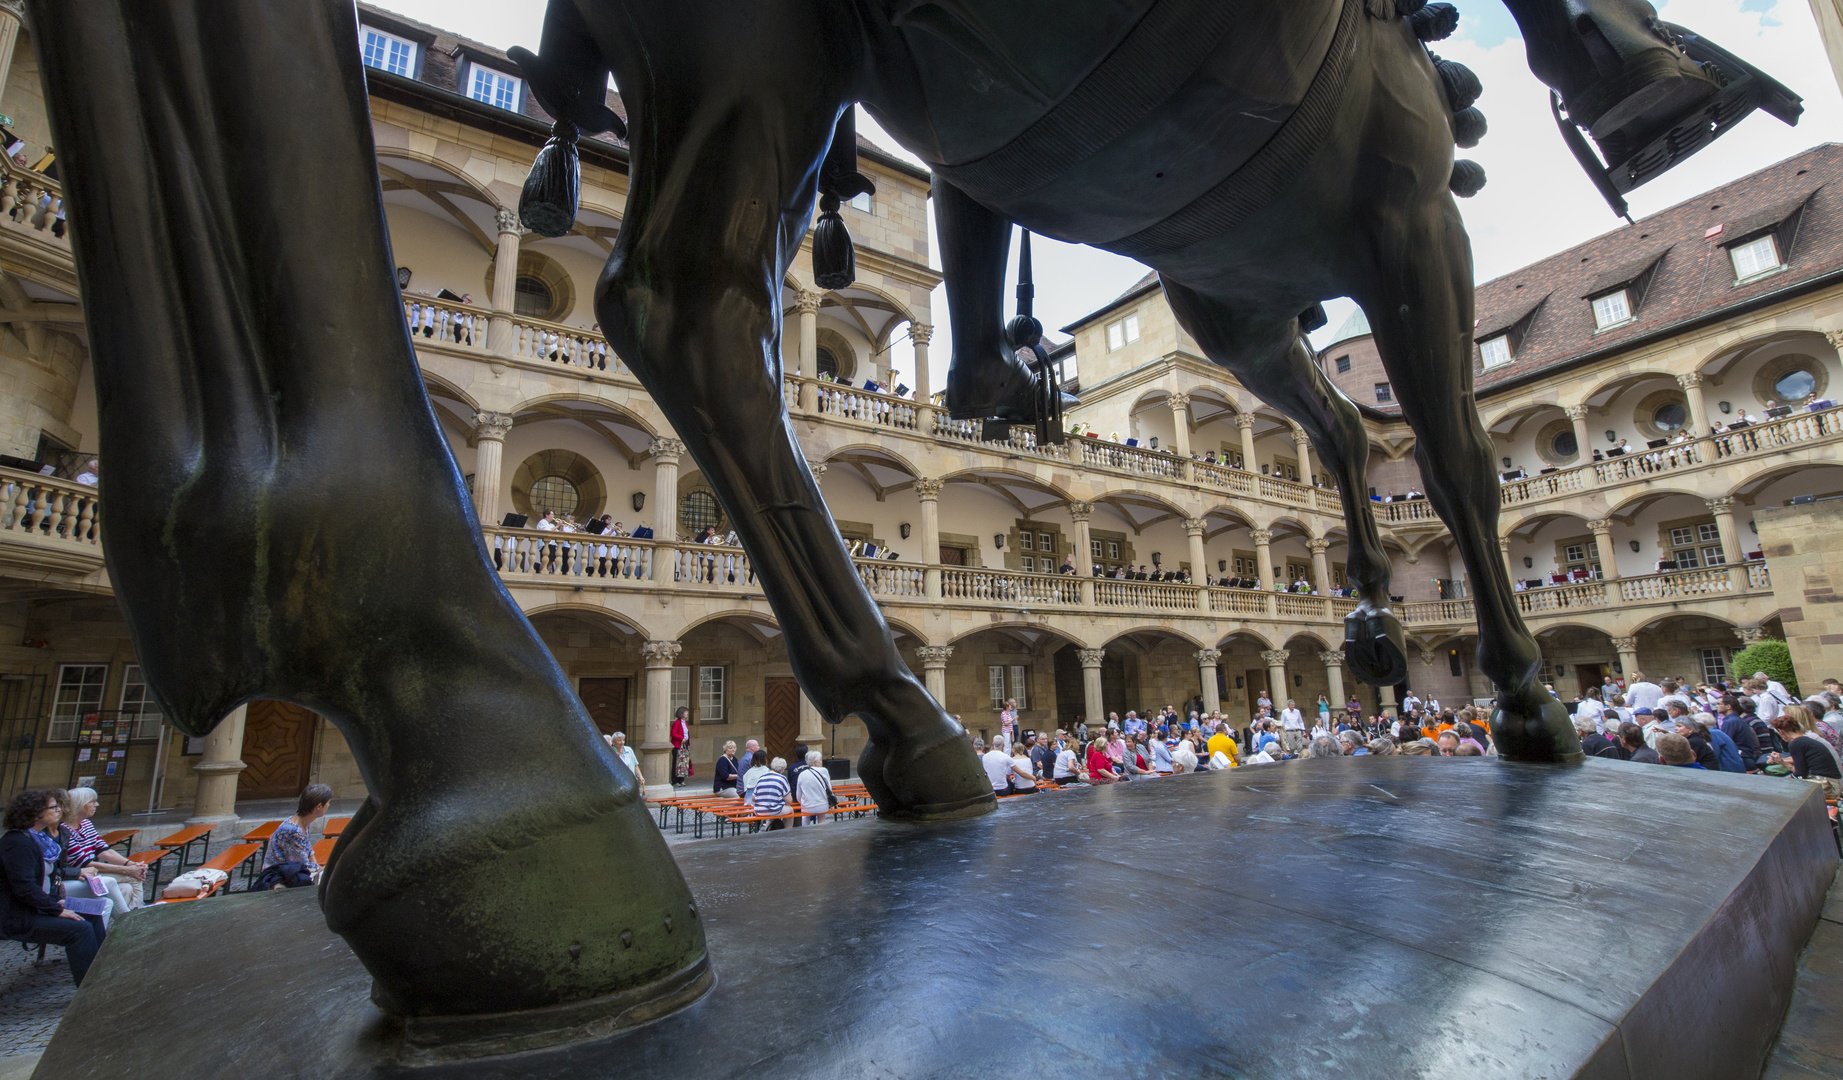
1534 727
1376 646
1005 390
938 781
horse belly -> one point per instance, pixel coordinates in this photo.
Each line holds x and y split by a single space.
1219 119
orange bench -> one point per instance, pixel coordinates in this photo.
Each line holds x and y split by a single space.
335 826
183 840
237 856
124 837
323 850
151 858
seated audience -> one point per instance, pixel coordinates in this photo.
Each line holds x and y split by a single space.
32 904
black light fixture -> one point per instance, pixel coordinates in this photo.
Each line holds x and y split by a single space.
1528 562
1372 491
639 501
1222 566
1725 407
903 529
1299 680
1158 557
1635 547
403 277
998 541
1752 528
1238 682
1611 435
1153 444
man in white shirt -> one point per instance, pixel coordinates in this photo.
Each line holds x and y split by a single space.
1411 702
1767 705
997 767
1773 686
1642 693
1292 726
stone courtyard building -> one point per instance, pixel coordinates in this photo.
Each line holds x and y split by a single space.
1726 306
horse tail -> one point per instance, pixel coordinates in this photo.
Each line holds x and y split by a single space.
1436 22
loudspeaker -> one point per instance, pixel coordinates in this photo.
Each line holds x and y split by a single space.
838 768
514 521
994 431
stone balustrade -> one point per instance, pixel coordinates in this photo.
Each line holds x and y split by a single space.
34 202
47 508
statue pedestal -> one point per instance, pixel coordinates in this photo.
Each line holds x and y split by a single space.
1385 918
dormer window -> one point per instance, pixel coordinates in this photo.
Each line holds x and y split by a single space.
494 88
1755 257
387 52
1122 333
1612 309
1495 352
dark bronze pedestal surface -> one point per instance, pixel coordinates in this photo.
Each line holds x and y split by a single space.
1385 918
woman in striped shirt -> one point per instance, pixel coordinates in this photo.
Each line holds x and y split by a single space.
770 793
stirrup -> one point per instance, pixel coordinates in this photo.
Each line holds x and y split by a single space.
1629 167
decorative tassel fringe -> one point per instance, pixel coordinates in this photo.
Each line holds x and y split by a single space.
1406 8
1462 86
1435 22
834 262
1469 128
547 205
1468 178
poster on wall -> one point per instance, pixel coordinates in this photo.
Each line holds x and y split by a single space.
84 754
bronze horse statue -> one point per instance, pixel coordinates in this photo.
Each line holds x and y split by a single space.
269 437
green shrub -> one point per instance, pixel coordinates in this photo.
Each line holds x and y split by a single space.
1771 657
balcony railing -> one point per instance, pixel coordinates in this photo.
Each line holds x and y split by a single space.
1671 587
466 327
59 520
34 202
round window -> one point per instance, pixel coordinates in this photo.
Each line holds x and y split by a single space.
1795 386
1565 445
554 493
1670 416
699 511
531 297
828 364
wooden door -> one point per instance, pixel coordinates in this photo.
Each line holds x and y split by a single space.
278 748
606 700
953 556
781 718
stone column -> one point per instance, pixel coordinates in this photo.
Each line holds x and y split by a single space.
490 430
934 670
1277 687
1609 556
1303 444
11 12
499 330
1180 424
1199 561
656 747
1749 635
1334 677
1092 706
929 491
1723 509
1583 443
1263 557
1321 565
807 304
1627 648
665 491
216 801
920 334
1245 421
1206 671
1698 408
812 727
1079 513
1503 545
1385 700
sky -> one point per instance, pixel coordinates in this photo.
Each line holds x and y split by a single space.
1537 200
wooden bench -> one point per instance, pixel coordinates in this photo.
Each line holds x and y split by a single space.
151 858
183 840
262 834
335 826
323 850
122 837
230 860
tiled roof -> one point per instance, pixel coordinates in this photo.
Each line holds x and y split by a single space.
1693 276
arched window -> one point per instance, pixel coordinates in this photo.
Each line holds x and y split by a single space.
555 493
828 364
1670 416
699 511
531 297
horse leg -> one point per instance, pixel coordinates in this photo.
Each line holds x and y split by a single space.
260 407
1273 360
1421 294
985 378
730 123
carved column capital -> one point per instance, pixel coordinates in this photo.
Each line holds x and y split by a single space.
1244 421
1750 634
1194 526
934 656
1690 381
506 218
807 303
667 450
1080 511
1600 526
1091 658
1300 437
1318 547
1275 657
929 489
1835 337
1179 401
1331 658
1575 412
1261 536
1625 645
1721 504
492 425
1503 544
818 469
660 654
921 333
1208 657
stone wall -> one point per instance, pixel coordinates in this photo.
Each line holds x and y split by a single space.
1804 546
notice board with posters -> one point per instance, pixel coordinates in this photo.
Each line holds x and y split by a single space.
102 757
